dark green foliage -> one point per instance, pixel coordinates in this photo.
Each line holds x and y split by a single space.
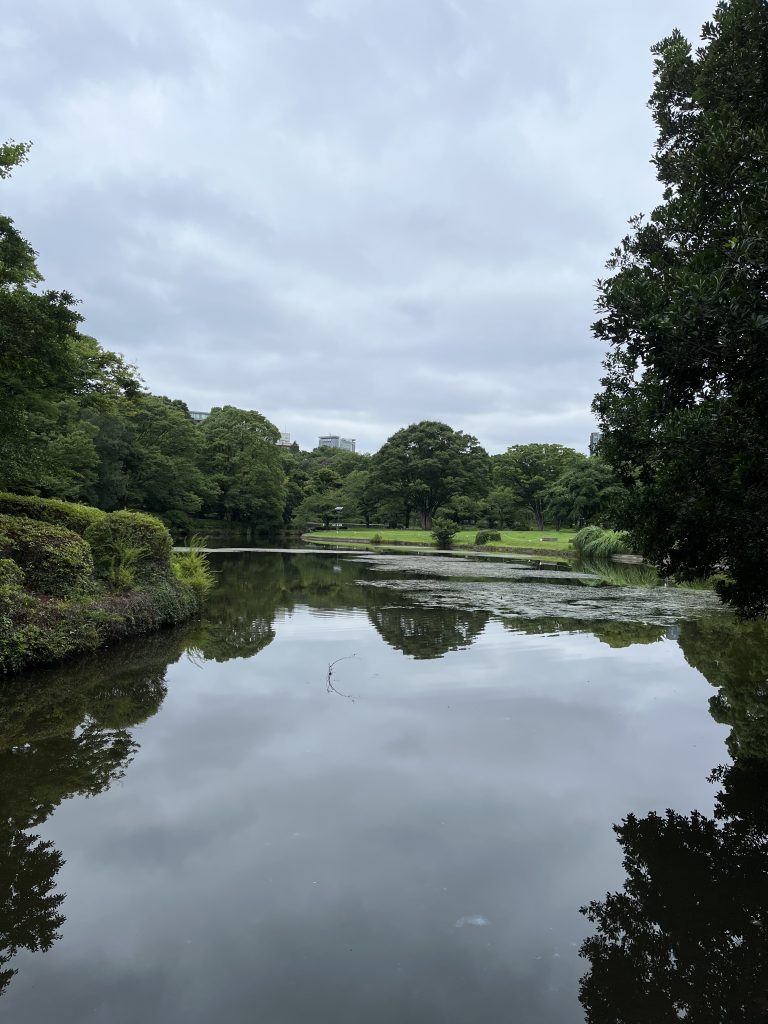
444 530
486 536
11 574
53 560
684 410
587 493
595 543
119 532
44 631
162 462
52 602
502 507
423 466
242 461
528 471
61 513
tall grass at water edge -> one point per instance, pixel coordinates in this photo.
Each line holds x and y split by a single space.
596 544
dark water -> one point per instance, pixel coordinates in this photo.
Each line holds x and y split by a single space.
202 825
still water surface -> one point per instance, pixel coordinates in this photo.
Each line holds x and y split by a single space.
203 824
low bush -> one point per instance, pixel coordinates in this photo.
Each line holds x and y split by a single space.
443 531
595 542
45 631
52 605
486 536
376 539
126 543
49 510
53 560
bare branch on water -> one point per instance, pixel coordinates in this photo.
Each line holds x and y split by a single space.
329 687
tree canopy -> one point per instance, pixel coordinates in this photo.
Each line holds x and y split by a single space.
684 406
529 470
425 464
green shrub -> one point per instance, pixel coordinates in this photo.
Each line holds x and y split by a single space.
50 510
485 536
179 523
53 560
124 543
11 574
444 530
12 596
376 539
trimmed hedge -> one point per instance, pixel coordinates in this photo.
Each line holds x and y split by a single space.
50 510
53 605
118 532
485 536
53 560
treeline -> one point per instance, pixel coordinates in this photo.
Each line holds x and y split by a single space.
78 424
115 446
428 469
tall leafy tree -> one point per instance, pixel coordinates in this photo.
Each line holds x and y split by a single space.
529 471
426 464
163 457
240 456
587 493
684 406
37 362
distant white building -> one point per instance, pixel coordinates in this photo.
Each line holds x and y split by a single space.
198 417
347 444
594 439
285 441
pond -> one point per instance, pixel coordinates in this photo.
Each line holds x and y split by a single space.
380 788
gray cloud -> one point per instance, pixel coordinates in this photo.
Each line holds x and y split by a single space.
349 215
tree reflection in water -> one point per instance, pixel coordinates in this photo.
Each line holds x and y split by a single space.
64 732
687 936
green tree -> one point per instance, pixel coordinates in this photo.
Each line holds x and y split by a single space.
39 364
502 506
163 457
425 465
529 470
684 406
588 493
240 456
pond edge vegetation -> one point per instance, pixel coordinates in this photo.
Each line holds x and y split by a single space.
74 578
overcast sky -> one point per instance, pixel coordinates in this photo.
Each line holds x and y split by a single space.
350 215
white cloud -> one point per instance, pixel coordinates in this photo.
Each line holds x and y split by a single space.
349 215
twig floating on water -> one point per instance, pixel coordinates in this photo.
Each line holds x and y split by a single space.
329 687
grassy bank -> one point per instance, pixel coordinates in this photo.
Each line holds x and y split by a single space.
74 578
519 541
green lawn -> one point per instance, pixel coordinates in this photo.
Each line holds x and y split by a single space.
509 538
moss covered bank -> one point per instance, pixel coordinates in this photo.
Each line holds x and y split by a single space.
74 578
